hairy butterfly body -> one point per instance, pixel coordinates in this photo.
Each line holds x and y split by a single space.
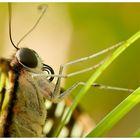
22 101
27 112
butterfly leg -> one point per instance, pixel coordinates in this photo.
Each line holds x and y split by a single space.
60 75
102 86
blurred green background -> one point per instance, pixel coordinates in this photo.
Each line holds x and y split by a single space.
70 31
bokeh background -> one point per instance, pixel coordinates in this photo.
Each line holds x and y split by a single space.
70 31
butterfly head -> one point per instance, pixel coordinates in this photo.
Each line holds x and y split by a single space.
29 59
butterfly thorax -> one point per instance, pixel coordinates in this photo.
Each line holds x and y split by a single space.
27 111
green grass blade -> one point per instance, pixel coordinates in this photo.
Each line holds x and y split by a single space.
118 113
94 77
137 133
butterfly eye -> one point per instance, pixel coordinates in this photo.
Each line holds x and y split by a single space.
27 57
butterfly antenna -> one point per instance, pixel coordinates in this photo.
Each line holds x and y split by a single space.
10 30
42 7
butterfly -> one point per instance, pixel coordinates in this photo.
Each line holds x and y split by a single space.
28 94
23 96
23 113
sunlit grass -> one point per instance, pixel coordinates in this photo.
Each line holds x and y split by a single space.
137 133
88 84
114 116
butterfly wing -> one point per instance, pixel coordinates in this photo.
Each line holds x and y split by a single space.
7 84
78 125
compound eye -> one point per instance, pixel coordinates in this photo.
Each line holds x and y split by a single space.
27 57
